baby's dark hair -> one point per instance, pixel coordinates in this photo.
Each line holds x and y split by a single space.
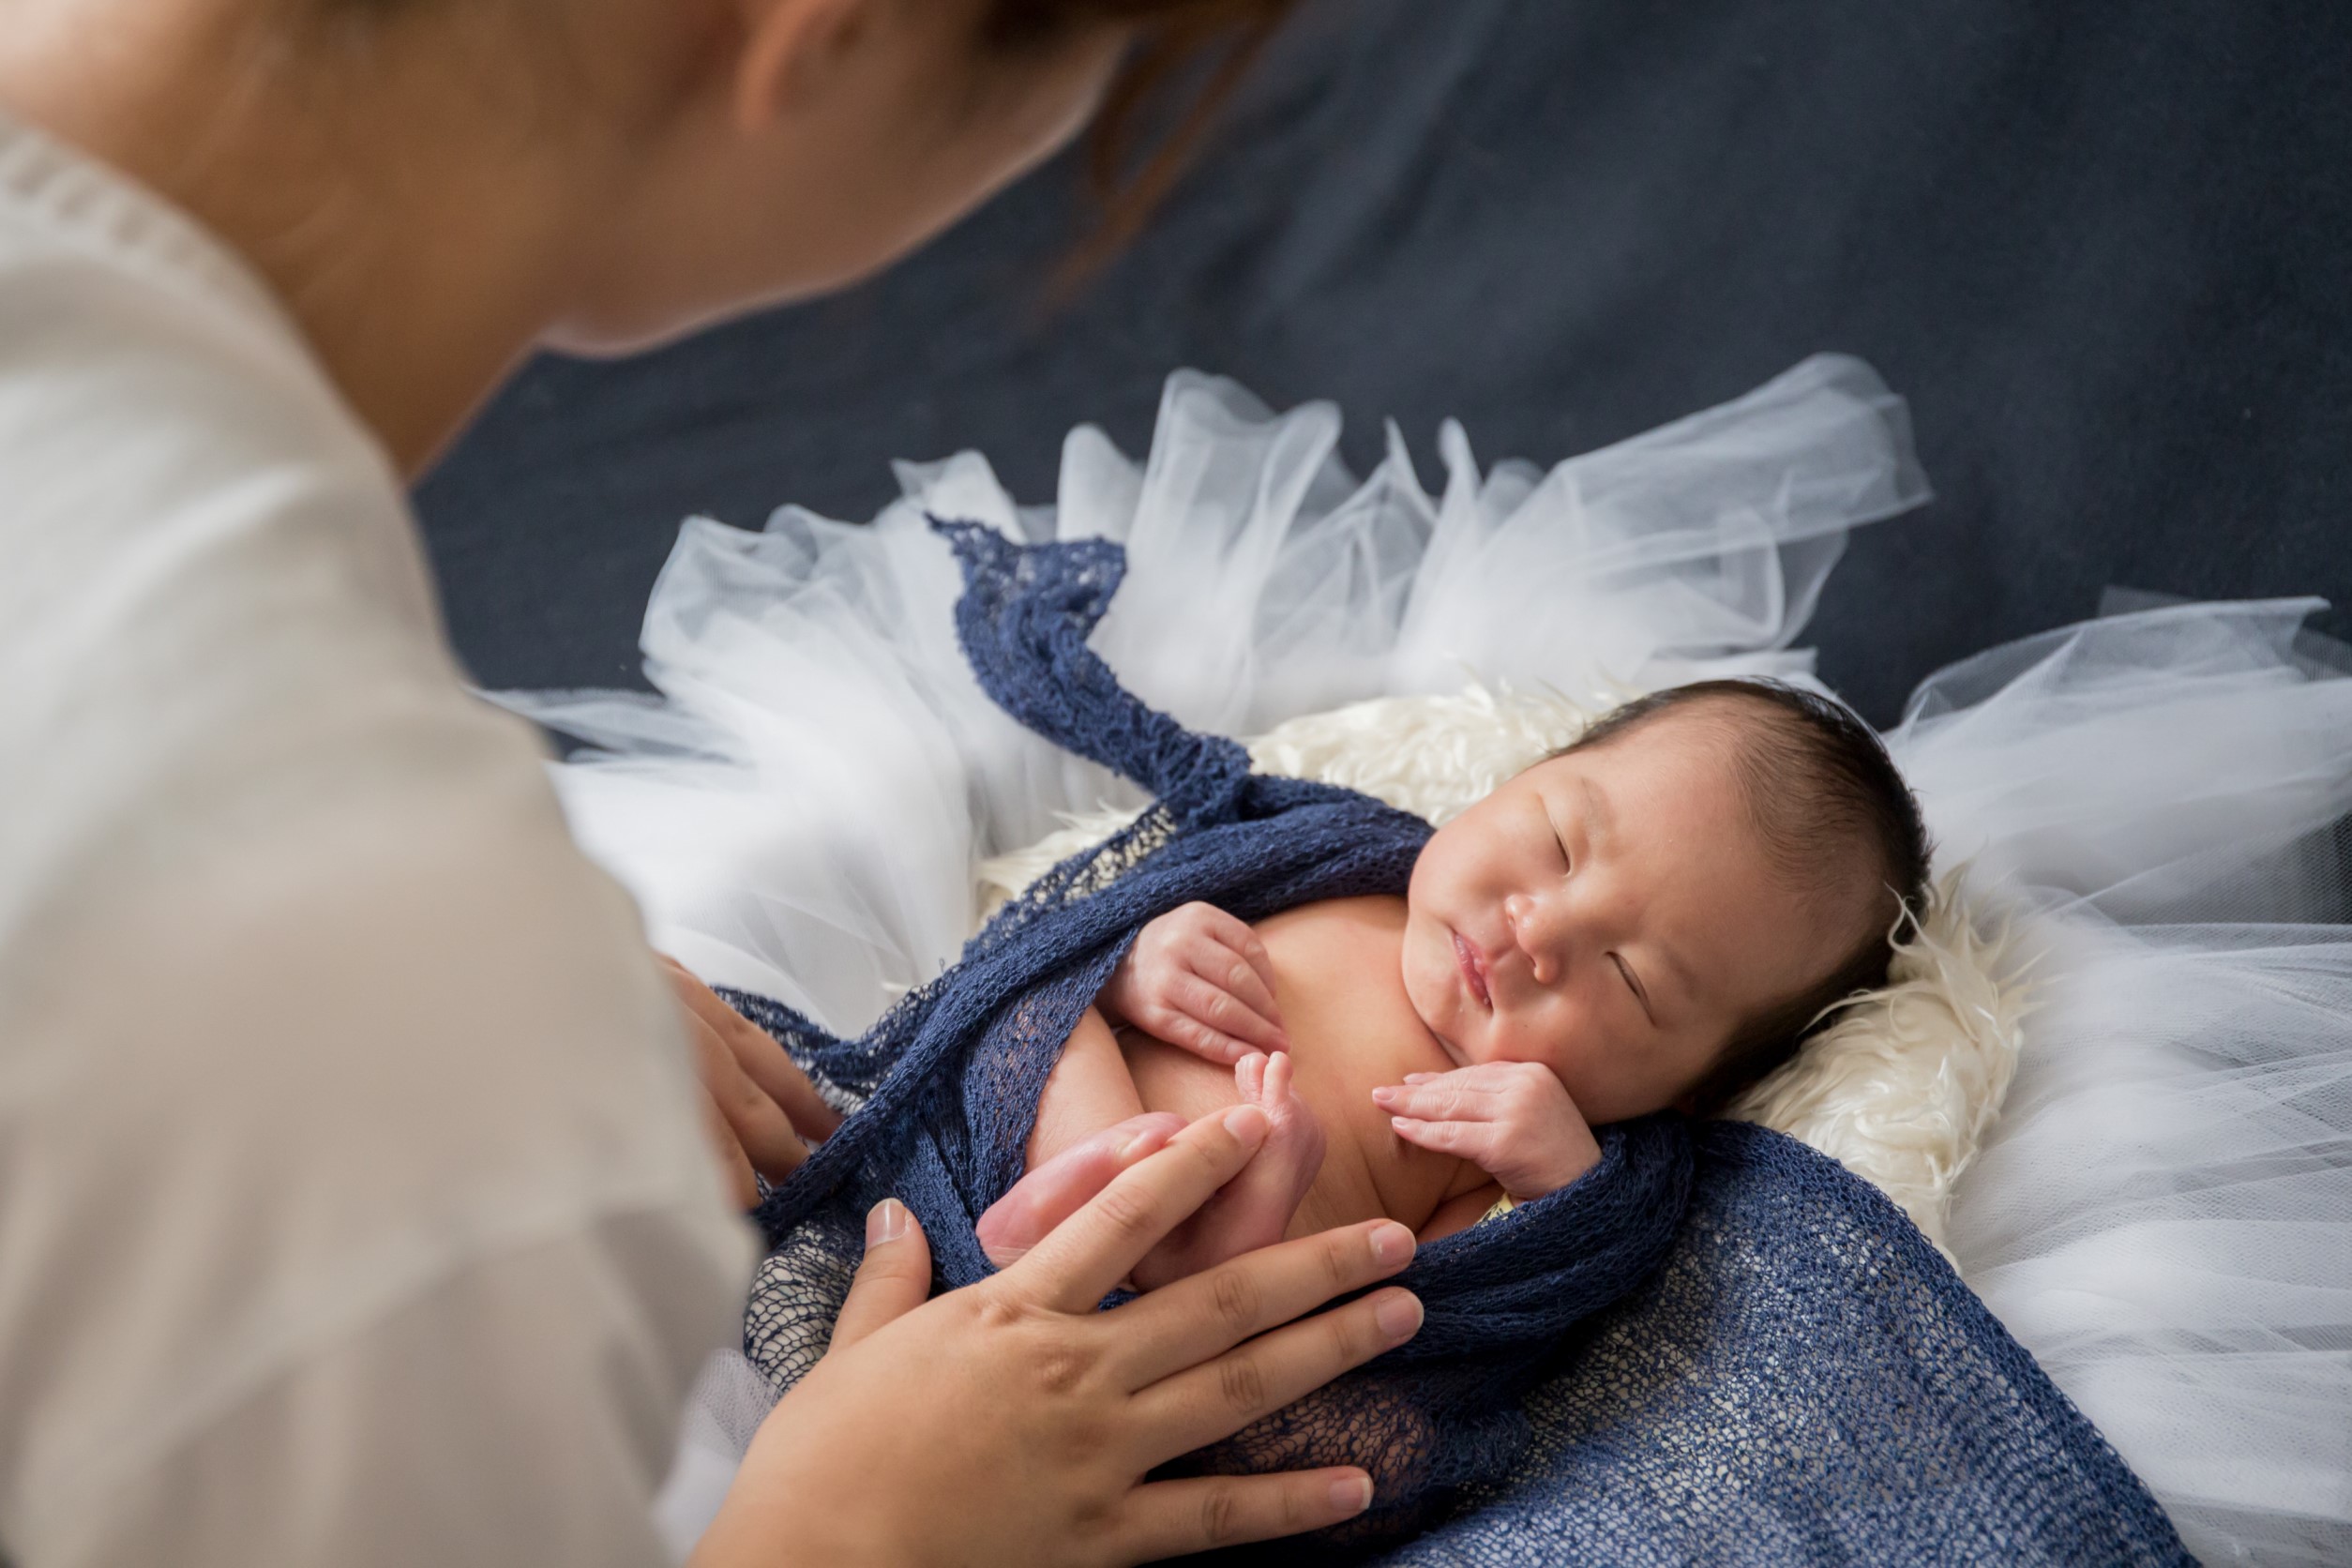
1815 779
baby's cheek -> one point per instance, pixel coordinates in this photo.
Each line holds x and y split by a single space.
1575 1055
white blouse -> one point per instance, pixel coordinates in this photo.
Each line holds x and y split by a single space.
354 1207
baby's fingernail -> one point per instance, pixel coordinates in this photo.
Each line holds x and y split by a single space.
1248 1124
886 1221
1352 1496
1384 1095
1398 1315
1392 1243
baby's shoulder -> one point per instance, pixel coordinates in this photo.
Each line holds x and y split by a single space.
1335 930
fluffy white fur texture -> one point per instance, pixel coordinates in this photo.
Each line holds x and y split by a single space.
1900 1089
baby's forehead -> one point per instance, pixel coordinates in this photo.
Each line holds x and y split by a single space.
1705 735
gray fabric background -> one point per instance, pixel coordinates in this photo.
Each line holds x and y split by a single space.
2105 251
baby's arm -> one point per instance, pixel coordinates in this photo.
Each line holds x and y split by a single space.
1513 1120
1089 1089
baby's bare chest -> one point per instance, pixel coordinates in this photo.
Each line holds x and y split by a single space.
1338 982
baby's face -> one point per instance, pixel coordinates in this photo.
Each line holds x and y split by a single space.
1610 914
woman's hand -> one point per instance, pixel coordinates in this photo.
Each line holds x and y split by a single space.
760 1108
1041 1201
1200 978
1513 1120
1012 1422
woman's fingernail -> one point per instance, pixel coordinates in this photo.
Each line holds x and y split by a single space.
886 1221
1398 1315
1392 1244
1384 1095
1248 1124
1352 1496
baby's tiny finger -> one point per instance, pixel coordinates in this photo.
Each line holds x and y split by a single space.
1244 966
1435 1102
1231 974
1196 1038
1221 1013
1446 1137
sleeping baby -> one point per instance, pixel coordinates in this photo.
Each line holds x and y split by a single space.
1652 918
1437 1024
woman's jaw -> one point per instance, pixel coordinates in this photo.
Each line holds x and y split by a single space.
434 189
818 152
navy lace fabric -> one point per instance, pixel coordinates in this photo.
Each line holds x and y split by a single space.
1763 1361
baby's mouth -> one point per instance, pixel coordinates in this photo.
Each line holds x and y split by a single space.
1474 965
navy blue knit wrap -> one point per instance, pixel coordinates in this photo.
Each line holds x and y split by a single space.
950 1079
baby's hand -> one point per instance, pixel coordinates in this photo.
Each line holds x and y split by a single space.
1510 1119
1199 978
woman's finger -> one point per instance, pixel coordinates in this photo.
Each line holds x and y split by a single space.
1089 1253
1056 1189
763 1059
763 1131
1220 1397
1185 1325
770 1066
732 1166
894 1279
1175 1519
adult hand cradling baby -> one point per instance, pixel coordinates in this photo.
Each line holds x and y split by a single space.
1060 1409
1034 1367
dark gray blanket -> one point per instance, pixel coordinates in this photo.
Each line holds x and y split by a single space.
2105 251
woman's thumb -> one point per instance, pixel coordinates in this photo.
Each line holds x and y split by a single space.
894 1278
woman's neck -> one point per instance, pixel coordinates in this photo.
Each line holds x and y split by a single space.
420 239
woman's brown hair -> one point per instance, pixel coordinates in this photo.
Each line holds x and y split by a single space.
1189 58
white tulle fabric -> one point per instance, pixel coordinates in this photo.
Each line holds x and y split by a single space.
800 816
2164 1211
2163 1214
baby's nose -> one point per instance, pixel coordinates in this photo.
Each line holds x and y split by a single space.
1529 928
